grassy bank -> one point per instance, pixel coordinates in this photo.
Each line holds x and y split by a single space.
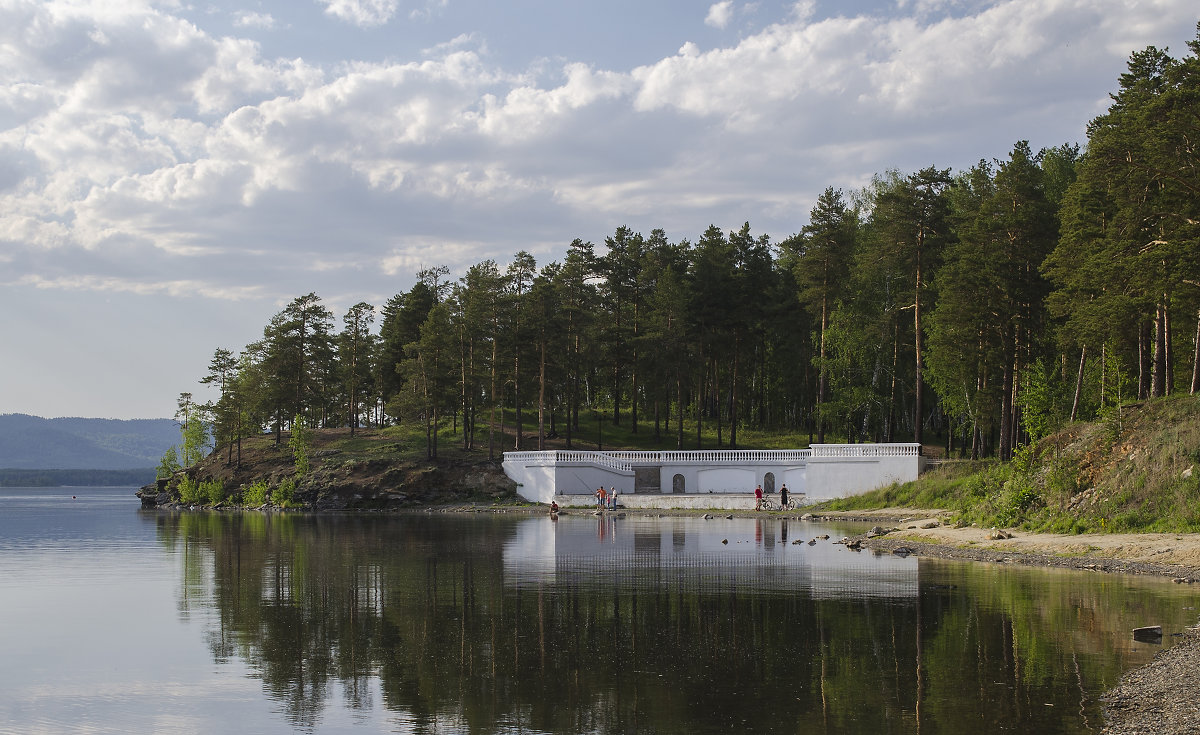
1136 471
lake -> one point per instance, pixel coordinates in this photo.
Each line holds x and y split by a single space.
114 619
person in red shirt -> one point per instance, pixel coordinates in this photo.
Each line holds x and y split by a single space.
758 497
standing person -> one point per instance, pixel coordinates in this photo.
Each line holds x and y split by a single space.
603 498
599 492
612 497
758 498
783 497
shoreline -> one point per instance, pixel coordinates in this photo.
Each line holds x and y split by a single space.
1159 698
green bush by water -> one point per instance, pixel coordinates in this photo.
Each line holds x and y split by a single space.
284 493
255 494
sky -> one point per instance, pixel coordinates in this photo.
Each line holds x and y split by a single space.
173 173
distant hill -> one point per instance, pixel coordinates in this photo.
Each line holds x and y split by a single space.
33 443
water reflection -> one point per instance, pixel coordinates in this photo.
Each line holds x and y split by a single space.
750 554
497 624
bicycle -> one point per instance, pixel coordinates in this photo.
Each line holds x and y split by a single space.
769 504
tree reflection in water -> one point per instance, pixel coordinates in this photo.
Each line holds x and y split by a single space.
421 609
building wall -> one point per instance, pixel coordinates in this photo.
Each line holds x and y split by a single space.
838 477
831 471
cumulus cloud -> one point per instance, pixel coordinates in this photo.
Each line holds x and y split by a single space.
142 155
429 10
362 13
246 19
156 135
719 14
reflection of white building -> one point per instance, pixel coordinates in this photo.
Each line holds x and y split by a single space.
690 478
746 554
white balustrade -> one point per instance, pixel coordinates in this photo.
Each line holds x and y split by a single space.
854 451
626 460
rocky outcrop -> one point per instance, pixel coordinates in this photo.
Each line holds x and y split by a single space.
339 480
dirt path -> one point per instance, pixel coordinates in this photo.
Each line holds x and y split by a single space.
1166 554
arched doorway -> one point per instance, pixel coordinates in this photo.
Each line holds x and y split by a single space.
769 483
677 484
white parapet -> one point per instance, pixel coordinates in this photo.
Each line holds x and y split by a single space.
542 475
838 470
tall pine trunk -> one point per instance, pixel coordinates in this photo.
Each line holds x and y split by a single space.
1168 350
492 396
1078 384
918 407
1196 357
1006 416
1158 377
716 398
517 394
1145 359
542 398
821 379
679 407
733 396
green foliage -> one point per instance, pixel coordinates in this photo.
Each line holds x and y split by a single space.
193 492
213 491
919 298
195 438
1044 406
255 494
1075 481
169 464
189 491
284 493
300 443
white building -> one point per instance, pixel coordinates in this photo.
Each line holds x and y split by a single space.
711 478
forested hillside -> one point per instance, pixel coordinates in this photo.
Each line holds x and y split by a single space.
976 309
33 443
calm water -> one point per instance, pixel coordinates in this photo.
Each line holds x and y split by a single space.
118 620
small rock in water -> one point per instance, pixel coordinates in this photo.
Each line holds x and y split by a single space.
729 517
876 531
797 542
708 516
725 541
824 537
1148 633
812 542
902 551
1182 580
854 544
806 517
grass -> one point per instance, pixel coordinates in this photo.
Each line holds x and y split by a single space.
1088 478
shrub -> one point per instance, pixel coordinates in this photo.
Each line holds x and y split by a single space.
213 491
283 493
255 494
300 443
168 465
189 491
